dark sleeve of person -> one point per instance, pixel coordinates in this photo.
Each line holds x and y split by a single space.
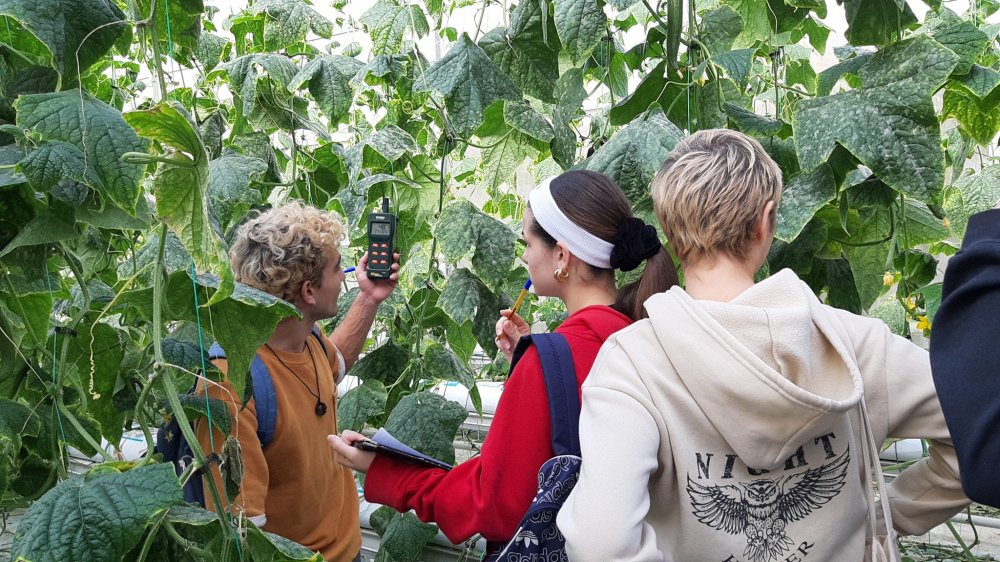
965 356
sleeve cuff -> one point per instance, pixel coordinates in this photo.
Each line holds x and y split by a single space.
341 366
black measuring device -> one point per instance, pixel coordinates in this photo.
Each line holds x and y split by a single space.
381 241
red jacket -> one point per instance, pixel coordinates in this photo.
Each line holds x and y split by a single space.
489 494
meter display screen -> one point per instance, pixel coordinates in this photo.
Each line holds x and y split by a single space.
380 229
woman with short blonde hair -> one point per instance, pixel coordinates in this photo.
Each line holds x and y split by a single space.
741 420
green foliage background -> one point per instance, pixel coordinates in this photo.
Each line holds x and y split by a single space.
116 204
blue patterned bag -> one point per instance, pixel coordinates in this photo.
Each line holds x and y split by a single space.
537 537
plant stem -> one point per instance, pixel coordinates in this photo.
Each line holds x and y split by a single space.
152 531
157 56
168 384
64 411
187 545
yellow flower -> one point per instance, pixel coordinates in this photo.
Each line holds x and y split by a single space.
923 323
888 278
909 303
947 223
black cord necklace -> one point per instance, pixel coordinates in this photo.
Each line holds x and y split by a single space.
320 405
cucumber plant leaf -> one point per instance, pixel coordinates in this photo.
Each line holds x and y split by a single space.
181 188
889 124
97 516
469 81
427 422
97 130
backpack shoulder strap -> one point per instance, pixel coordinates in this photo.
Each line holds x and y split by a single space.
319 337
560 383
264 396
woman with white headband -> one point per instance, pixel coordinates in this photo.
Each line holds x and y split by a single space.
579 228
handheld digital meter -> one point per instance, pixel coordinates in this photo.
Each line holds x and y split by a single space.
381 242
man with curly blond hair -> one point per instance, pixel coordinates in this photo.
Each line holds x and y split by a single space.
293 486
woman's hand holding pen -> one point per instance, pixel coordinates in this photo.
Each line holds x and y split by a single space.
510 328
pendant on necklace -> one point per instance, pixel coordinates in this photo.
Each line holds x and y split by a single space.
320 408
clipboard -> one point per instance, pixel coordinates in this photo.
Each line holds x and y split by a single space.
384 442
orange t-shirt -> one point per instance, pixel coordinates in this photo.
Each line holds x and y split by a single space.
295 482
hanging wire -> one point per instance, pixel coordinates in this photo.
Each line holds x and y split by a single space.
55 377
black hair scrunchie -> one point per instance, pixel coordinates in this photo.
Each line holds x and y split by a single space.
636 242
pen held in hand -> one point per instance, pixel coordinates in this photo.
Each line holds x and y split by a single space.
518 302
520 298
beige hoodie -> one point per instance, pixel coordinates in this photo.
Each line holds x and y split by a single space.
731 432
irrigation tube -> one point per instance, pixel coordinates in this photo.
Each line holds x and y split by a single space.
977 520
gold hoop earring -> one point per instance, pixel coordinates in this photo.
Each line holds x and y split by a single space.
561 275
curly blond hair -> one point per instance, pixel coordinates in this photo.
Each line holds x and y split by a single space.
710 191
278 250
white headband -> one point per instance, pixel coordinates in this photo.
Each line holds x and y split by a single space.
583 244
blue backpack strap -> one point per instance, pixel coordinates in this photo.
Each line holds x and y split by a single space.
560 383
264 397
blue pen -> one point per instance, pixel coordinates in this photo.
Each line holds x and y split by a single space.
350 269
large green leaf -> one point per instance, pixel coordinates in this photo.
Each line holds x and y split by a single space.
980 81
229 188
634 155
528 50
889 124
178 24
756 20
751 123
581 25
469 81
383 364
95 128
34 311
569 94
428 423
98 516
525 119
54 161
16 420
441 363
269 547
73 31
876 22
506 147
978 117
388 22
360 404
287 22
464 298
802 197
971 194
719 29
965 40
245 71
49 226
181 188
240 323
464 229
405 536
329 83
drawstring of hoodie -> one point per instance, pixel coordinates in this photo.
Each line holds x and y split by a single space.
883 545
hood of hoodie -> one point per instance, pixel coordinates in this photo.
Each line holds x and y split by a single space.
771 368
